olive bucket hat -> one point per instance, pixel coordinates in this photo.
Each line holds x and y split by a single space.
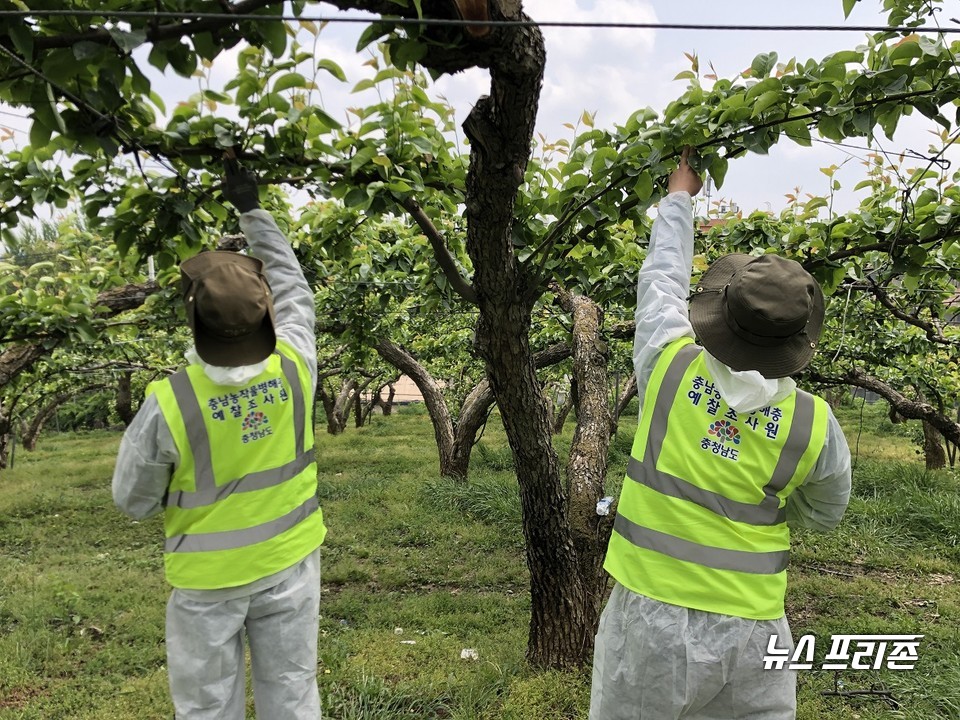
758 313
229 308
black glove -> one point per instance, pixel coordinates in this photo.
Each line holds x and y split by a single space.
240 186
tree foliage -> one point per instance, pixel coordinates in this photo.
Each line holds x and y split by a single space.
540 247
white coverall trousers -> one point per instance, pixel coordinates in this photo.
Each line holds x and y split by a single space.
656 661
205 651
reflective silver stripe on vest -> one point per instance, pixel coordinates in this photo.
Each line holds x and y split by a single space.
755 563
233 539
664 402
768 511
801 430
248 483
197 435
207 492
289 368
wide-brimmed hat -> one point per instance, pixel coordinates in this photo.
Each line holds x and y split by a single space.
758 313
229 308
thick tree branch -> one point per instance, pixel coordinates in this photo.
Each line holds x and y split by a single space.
440 251
934 333
17 359
158 33
910 409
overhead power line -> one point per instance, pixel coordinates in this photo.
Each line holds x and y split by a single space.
453 22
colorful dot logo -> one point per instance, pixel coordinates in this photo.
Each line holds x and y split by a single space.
253 420
725 431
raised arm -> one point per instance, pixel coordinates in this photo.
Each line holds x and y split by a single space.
664 281
292 296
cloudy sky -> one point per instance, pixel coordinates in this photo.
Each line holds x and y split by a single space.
612 72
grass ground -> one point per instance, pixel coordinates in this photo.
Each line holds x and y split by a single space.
415 570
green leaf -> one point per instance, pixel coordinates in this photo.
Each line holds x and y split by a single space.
374 32
943 215
328 121
771 97
848 7
643 188
847 56
205 46
718 170
274 34
127 41
158 57
277 101
363 156
86 50
290 80
85 330
39 135
331 67
798 132
906 49
22 39
763 63
408 52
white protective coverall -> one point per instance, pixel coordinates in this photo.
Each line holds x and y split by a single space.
280 613
656 661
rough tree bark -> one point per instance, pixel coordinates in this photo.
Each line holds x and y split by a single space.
500 129
385 405
455 438
587 464
124 404
933 453
34 426
627 394
904 406
5 427
337 404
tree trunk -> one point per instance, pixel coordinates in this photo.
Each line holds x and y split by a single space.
326 402
386 405
627 394
337 409
359 416
124 405
933 454
5 438
587 465
33 427
454 440
562 412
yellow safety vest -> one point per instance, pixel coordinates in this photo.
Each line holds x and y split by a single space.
701 518
242 503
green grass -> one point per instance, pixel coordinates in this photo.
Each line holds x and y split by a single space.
417 568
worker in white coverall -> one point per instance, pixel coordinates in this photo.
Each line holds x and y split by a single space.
728 454
225 448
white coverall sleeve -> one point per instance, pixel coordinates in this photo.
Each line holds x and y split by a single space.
145 463
820 501
292 297
663 285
